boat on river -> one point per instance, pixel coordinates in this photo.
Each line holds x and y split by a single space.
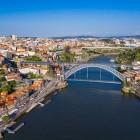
112 60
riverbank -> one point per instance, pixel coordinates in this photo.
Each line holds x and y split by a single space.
131 91
54 85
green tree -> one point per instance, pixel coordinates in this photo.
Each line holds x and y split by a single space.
2 79
6 88
66 48
50 71
67 57
138 57
5 118
31 75
108 41
1 72
33 58
34 76
12 83
128 56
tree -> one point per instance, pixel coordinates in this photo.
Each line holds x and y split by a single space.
1 72
128 56
33 58
66 48
67 57
2 79
5 118
6 88
50 71
122 42
9 87
34 76
31 75
138 57
108 41
138 81
12 83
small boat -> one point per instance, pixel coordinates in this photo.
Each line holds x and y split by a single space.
48 102
55 93
112 60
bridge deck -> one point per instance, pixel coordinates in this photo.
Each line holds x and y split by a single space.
95 81
72 64
107 47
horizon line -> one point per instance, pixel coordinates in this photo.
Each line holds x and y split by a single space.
107 36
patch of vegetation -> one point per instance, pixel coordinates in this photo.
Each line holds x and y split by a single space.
66 48
5 118
2 79
33 58
67 57
12 83
128 56
34 76
108 41
1 72
9 87
50 71
138 82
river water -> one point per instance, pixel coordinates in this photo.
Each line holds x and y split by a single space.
84 111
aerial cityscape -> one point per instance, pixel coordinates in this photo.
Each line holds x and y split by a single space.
70 71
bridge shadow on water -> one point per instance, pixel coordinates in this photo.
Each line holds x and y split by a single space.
94 74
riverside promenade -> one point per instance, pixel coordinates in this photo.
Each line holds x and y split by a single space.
30 103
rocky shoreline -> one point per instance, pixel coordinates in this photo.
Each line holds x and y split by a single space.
130 90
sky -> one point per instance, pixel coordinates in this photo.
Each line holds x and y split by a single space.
49 18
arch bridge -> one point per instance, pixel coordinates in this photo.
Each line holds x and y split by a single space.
93 65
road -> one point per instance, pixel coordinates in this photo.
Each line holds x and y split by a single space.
21 106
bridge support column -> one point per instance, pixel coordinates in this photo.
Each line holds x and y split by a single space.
74 74
62 78
113 75
87 72
63 73
100 74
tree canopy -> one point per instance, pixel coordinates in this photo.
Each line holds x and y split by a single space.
33 58
128 56
67 57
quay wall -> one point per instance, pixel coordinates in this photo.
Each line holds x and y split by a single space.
47 91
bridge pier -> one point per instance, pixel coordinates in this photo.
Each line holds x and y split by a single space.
62 76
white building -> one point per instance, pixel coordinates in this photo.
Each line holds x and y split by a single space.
14 37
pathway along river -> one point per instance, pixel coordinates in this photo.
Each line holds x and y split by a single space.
84 111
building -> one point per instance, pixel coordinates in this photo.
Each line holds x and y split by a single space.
13 76
14 37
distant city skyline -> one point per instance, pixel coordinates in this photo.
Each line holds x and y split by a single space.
54 18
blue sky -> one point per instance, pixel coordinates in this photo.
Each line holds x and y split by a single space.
46 18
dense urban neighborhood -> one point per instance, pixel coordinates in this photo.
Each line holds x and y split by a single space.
17 79
22 85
